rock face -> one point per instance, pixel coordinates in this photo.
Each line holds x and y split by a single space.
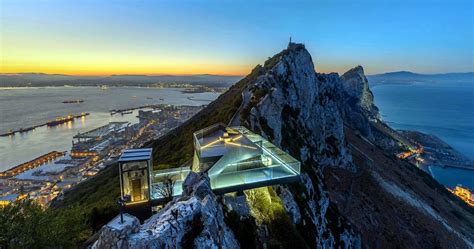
194 220
115 234
299 111
357 102
314 117
356 86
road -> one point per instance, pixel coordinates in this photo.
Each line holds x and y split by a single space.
235 121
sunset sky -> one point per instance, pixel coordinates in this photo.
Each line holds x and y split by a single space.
230 37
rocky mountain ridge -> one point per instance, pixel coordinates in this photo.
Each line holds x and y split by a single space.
352 193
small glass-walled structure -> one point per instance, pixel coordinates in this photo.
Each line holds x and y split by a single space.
134 168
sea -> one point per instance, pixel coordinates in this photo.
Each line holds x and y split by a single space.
444 109
25 107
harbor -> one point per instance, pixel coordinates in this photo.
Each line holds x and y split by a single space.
92 141
47 177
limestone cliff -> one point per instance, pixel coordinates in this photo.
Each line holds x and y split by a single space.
299 112
356 86
193 220
357 102
310 116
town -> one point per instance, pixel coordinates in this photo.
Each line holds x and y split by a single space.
47 177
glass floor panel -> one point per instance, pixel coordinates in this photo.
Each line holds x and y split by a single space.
244 177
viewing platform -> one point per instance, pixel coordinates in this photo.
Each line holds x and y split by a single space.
234 159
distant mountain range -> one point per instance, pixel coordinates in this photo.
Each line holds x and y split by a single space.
405 77
41 79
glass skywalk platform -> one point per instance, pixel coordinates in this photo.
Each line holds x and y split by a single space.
234 158
237 159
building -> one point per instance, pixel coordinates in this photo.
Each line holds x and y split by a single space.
96 141
7 199
464 193
234 158
135 171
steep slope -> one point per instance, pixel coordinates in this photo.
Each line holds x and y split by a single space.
391 202
357 102
304 113
299 113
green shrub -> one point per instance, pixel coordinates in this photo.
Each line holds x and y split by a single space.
25 224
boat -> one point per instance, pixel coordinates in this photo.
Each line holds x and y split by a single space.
83 114
104 87
60 120
75 101
21 130
126 112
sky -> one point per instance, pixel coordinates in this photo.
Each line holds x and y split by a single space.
92 37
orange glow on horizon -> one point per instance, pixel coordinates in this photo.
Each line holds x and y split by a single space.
214 70
107 68
89 72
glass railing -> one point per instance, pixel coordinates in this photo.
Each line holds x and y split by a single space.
157 194
177 175
249 176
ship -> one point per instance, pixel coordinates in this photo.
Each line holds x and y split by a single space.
60 120
65 119
21 130
74 101
9 133
126 112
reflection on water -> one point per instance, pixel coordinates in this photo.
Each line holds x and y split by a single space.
443 109
22 147
36 106
452 176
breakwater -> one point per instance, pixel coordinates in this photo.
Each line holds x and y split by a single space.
58 121
31 164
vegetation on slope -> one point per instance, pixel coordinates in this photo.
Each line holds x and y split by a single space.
268 211
25 224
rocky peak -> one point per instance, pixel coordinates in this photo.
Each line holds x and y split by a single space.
356 85
297 99
298 110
